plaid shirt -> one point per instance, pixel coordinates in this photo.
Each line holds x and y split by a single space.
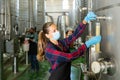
57 54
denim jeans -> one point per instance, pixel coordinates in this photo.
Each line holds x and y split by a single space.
34 63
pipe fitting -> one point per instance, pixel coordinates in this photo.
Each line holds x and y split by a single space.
105 66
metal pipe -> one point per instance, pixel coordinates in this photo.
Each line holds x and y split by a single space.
90 5
2 13
103 17
58 12
90 9
29 13
90 29
26 57
5 12
7 19
15 65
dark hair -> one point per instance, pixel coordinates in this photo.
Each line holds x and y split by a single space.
68 31
42 40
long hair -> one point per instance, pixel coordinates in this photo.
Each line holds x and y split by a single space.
42 41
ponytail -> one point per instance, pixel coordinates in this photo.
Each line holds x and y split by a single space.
42 42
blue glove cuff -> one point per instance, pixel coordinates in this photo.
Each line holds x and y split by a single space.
87 44
87 19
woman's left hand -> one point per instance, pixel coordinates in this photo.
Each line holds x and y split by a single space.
90 16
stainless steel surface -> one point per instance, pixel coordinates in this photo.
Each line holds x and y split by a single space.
63 23
40 14
5 16
31 13
23 15
110 31
35 12
55 8
104 66
2 9
15 17
12 16
90 7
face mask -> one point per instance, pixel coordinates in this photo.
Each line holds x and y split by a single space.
56 35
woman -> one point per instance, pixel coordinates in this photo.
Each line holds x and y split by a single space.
57 51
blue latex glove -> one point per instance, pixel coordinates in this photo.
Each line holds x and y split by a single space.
92 41
90 16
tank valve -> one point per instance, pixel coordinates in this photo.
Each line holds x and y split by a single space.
105 66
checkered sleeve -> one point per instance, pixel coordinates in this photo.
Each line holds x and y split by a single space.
62 56
79 30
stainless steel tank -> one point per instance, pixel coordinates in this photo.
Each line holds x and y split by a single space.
8 17
63 23
23 15
40 14
77 13
14 15
110 30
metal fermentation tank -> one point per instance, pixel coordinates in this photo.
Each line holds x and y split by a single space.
110 31
63 23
